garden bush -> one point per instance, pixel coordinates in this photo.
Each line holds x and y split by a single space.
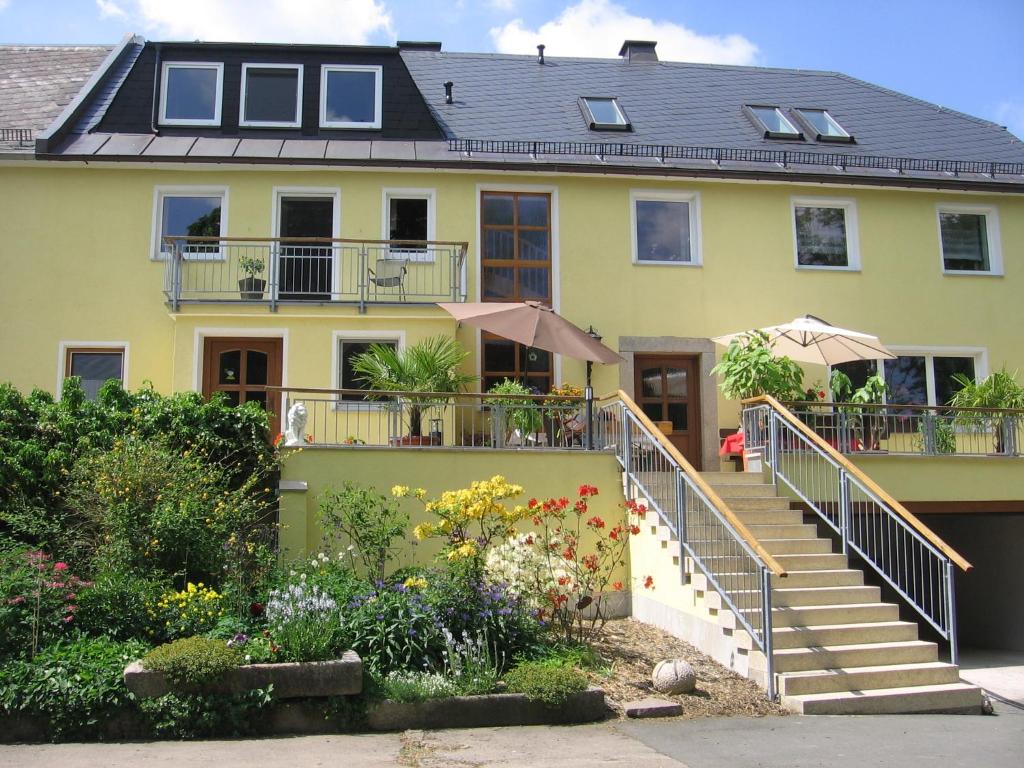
120 606
193 661
195 610
550 685
367 522
76 684
305 623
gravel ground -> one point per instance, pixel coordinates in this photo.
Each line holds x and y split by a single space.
633 648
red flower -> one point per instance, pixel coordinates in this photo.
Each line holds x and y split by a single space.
255 609
587 490
278 440
569 553
529 539
563 502
821 394
536 520
635 530
61 566
617 586
532 503
309 438
595 522
590 562
648 582
563 580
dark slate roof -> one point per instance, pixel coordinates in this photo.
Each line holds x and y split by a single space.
510 97
38 81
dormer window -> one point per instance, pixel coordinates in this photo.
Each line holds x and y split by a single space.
603 113
773 123
190 93
271 96
350 96
824 125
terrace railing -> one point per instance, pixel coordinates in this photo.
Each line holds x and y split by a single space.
709 533
908 555
914 430
272 271
356 417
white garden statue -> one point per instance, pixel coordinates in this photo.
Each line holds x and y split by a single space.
295 434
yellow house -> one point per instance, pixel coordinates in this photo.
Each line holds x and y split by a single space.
228 217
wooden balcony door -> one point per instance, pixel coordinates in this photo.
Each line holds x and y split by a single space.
667 388
240 368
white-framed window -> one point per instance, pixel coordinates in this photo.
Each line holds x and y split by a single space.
665 227
347 346
191 92
95 363
920 376
189 212
604 113
825 233
823 125
410 215
271 96
350 96
773 124
969 239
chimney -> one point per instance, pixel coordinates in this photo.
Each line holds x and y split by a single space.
540 54
418 45
638 50
448 92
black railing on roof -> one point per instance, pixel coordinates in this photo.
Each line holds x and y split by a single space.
719 154
21 135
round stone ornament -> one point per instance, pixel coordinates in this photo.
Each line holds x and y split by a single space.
674 676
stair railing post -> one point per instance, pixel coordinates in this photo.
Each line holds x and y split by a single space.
766 628
954 649
627 451
589 394
845 510
680 509
772 448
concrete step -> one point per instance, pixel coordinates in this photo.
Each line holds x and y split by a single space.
797 546
857 655
783 531
949 697
867 678
825 615
734 478
854 595
837 577
754 503
745 490
843 634
826 561
769 516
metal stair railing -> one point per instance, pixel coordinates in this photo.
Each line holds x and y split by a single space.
725 551
908 555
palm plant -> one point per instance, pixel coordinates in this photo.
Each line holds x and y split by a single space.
998 390
429 366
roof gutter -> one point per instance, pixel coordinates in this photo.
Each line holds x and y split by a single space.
63 123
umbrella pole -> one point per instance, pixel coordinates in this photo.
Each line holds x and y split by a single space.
588 393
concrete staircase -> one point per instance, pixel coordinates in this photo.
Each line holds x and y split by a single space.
838 648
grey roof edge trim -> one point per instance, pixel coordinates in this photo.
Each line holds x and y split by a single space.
725 174
63 123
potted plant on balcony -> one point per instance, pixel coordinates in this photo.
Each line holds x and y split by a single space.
518 419
431 366
251 287
998 390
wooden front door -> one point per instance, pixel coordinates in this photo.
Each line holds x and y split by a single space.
240 368
667 388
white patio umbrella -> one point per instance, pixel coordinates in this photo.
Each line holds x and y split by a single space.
810 339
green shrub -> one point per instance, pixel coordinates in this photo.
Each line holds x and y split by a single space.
409 687
365 520
194 610
305 623
392 628
198 715
119 605
551 685
749 368
193 661
76 684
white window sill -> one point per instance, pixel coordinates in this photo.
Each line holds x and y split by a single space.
652 263
970 273
825 268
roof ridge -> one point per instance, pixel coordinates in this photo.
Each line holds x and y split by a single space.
55 47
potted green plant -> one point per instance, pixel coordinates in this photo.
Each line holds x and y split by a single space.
513 414
750 368
251 287
998 390
429 366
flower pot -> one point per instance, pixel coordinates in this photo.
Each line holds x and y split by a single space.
410 440
252 288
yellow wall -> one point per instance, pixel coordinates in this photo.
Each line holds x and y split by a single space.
946 478
542 475
75 256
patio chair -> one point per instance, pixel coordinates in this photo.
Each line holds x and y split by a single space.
389 273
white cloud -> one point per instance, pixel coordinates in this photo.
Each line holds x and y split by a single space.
110 9
598 27
1011 114
503 5
277 21
4 4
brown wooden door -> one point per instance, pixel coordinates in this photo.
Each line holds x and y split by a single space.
667 388
240 368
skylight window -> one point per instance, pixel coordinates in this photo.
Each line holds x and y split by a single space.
190 93
271 95
350 96
603 113
774 123
824 125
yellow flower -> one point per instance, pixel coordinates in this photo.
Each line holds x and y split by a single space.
423 531
400 491
415 582
420 493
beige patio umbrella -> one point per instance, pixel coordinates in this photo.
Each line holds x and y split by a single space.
533 325
810 339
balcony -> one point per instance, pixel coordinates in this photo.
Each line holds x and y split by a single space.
274 271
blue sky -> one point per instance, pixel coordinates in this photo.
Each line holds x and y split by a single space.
963 54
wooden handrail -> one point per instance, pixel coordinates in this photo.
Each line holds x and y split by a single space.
900 406
770 562
857 472
314 240
446 395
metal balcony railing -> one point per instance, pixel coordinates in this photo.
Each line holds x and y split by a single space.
907 554
272 271
914 430
358 418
